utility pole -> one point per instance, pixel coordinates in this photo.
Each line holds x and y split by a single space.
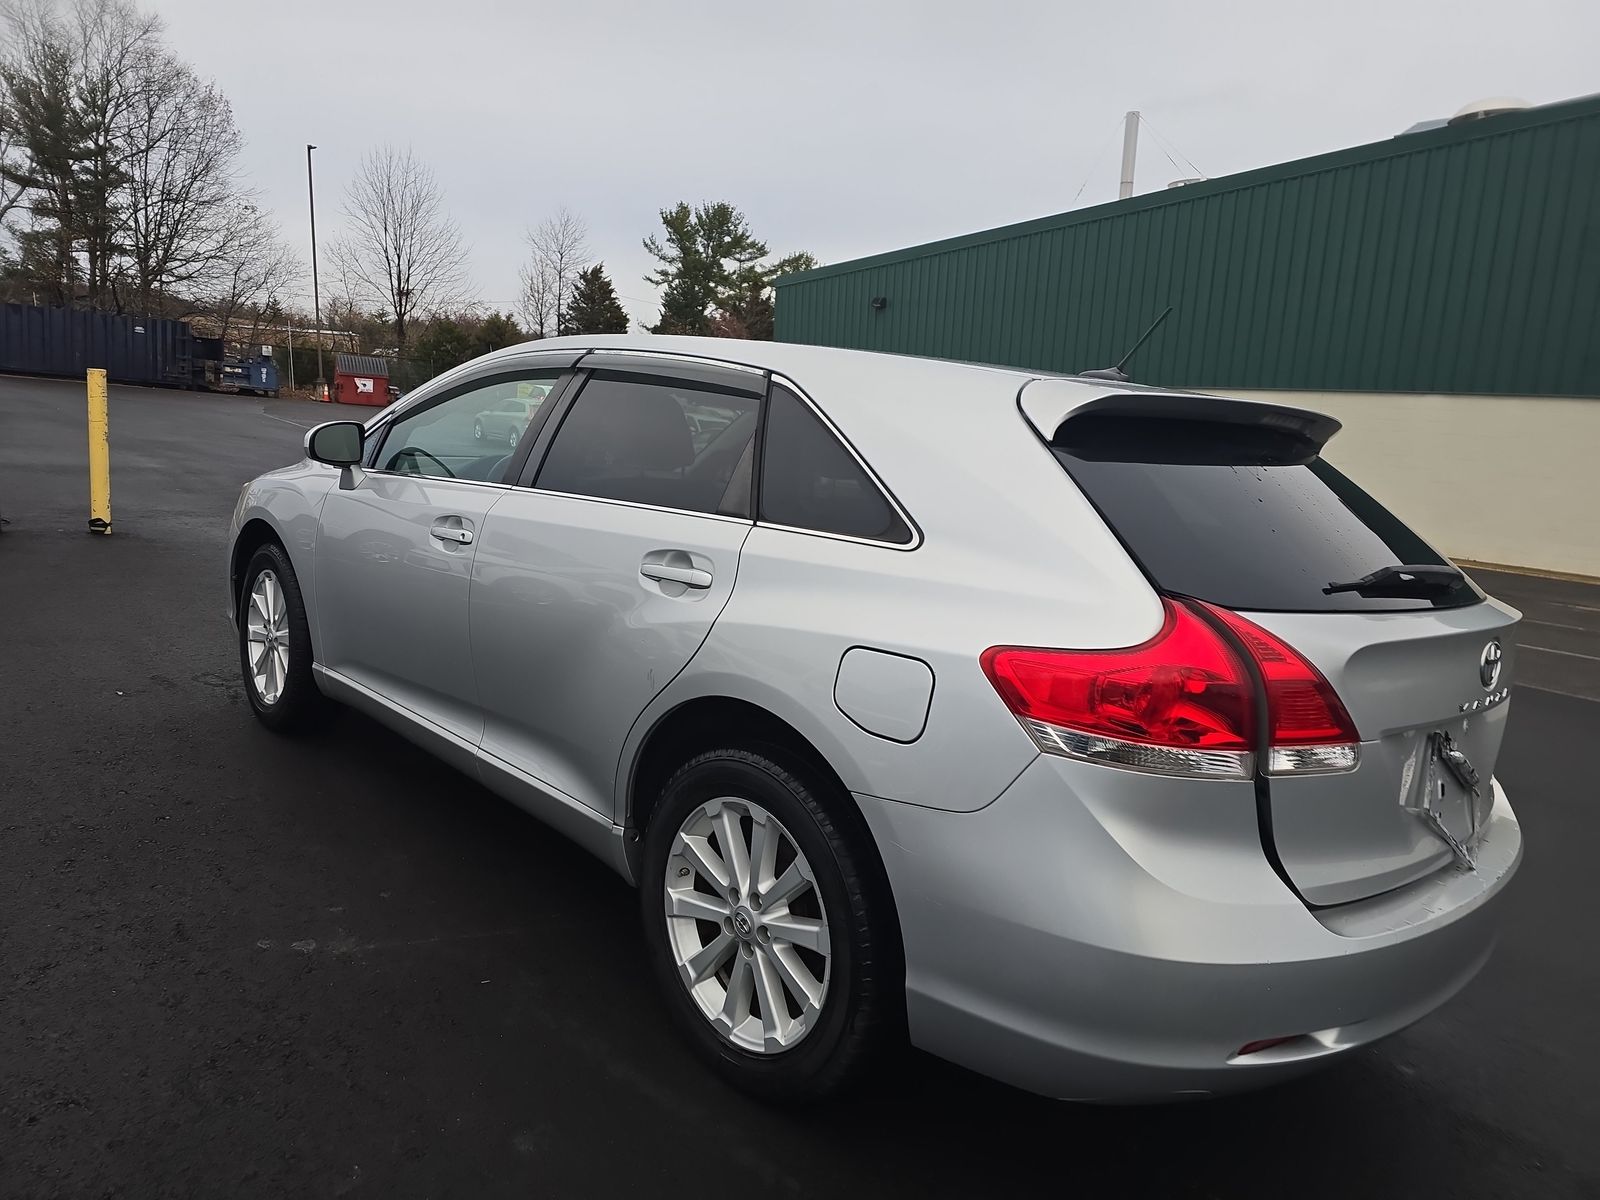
316 298
1130 148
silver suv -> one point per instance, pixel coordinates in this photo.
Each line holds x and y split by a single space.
1105 740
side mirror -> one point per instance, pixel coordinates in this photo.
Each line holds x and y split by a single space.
337 443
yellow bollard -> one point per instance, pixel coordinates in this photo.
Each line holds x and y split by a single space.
99 455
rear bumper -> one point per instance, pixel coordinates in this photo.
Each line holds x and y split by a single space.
1125 949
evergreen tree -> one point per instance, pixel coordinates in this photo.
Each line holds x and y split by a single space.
704 253
594 307
746 309
494 332
443 344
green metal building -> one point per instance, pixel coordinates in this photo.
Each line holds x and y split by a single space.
1459 259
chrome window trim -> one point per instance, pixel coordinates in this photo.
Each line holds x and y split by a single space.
583 364
845 537
662 508
877 482
488 483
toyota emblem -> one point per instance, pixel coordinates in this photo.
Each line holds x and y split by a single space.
1489 665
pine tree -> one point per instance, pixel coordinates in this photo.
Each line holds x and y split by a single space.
705 251
594 307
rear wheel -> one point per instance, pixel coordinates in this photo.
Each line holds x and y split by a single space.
477 430
764 928
275 643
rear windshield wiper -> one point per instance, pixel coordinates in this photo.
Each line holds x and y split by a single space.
1421 580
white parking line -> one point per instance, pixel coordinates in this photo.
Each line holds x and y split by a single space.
286 421
1558 692
1559 625
1563 653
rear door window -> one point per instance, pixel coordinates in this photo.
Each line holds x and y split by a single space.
810 480
1245 517
657 441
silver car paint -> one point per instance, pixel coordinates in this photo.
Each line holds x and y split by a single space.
1072 928
1096 934
1401 675
570 641
392 597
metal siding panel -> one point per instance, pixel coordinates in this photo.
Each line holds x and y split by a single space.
1556 320
1459 246
1580 373
1506 223
1208 293
1374 292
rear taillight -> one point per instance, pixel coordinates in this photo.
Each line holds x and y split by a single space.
1308 729
1182 703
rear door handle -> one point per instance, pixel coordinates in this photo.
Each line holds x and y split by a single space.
666 573
452 529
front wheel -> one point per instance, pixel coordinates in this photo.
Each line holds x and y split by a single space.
275 643
477 430
765 928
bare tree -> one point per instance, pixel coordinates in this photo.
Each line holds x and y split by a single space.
538 303
253 273
558 250
401 251
182 197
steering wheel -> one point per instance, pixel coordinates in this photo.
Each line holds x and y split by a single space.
411 454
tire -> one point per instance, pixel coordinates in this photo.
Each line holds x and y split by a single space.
296 701
511 436
477 430
854 1019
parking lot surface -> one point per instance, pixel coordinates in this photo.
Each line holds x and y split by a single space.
233 964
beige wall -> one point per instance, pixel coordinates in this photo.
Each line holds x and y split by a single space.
1499 479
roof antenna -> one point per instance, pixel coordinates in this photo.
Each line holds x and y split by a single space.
1116 374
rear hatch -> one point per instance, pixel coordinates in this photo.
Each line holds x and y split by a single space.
1229 502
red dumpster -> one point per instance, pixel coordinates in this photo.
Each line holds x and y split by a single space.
360 379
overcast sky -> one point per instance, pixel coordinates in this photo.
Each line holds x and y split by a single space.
844 128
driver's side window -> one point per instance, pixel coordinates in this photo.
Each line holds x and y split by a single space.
469 435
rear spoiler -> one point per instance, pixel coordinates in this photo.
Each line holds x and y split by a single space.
1051 404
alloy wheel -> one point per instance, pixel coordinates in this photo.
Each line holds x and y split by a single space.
267 637
747 926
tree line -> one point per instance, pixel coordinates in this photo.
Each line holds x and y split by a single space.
122 188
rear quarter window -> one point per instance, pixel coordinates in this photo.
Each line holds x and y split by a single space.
809 480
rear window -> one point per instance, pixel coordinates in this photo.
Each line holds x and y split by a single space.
1247 517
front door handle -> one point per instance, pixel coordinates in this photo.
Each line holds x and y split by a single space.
452 529
667 573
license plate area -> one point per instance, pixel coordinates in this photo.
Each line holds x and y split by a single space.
1445 790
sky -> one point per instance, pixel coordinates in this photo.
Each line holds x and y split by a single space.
842 128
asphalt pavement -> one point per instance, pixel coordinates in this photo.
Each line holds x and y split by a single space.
238 965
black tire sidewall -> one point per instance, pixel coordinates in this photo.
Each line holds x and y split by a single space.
299 697
827 1056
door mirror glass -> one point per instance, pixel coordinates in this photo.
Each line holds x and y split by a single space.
337 443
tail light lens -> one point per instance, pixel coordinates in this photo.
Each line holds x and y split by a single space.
1308 729
1182 703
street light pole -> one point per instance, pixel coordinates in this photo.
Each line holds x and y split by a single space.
316 298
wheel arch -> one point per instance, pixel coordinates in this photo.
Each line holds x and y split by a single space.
705 722
253 534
